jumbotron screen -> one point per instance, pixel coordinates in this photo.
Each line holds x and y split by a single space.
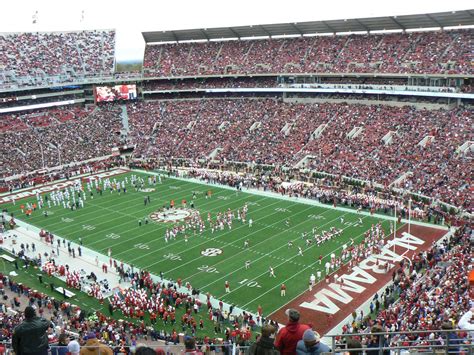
115 93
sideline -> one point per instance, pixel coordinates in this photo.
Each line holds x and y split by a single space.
302 200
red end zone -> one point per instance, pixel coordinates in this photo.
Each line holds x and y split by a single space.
328 304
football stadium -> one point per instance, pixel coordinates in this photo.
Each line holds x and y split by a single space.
288 187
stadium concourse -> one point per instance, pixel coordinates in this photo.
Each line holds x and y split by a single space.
381 123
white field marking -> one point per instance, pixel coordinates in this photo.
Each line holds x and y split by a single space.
244 237
206 239
309 201
98 205
302 200
104 230
313 264
266 255
105 222
219 236
161 229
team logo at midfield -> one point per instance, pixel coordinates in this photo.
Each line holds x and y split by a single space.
173 215
147 189
211 252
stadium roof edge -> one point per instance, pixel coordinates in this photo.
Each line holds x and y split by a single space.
403 22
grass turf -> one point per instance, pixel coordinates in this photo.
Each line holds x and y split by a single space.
111 220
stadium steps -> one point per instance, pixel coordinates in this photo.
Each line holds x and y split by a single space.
318 131
401 179
465 148
256 125
79 52
124 115
286 128
302 162
21 152
308 51
219 52
214 153
448 48
411 48
354 132
246 55
224 125
388 138
349 39
425 141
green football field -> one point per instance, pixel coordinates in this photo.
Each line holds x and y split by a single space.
207 260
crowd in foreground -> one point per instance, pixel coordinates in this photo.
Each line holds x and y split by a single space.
429 294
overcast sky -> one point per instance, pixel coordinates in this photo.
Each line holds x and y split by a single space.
129 18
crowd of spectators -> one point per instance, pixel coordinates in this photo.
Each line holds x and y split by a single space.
428 294
31 58
268 131
415 52
52 137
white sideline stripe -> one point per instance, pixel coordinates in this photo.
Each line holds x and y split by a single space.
198 258
285 261
257 252
308 202
266 292
175 242
68 213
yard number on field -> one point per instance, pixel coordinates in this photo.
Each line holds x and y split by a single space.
251 283
209 269
316 216
171 256
112 236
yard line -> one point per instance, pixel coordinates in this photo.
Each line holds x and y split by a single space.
266 255
83 214
286 280
246 236
107 221
177 240
207 239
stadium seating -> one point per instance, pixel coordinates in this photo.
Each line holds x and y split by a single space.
57 136
416 52
33 59
267 131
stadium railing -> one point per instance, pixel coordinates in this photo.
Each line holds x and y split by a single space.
427 342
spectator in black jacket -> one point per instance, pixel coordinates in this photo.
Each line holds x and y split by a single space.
29 337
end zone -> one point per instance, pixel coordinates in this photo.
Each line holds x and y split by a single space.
328 304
